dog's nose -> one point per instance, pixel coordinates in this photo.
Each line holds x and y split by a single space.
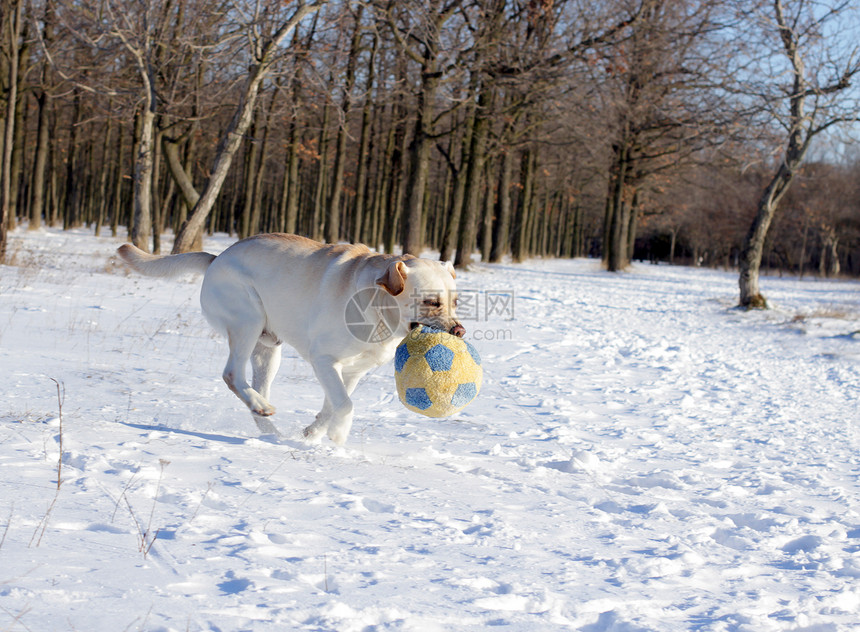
457 330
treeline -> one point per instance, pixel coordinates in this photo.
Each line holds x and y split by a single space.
618 129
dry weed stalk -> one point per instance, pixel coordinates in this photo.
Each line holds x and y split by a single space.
145 536
8 524
43 524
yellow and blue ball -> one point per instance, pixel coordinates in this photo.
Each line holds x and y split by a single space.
437 374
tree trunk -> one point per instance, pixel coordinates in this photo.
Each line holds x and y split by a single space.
116 182
751 253
835 268
365 151
578 232
230 142
142 228
86 175
40 163
102 197
502 226
289 208
18 202
381 188
617 224
801 264
632 225
37 206
157 202
52 210
488 212
333 224
801 133
394 200
672 243
69 200
252 149
258 222
6 211
419 165
452 227
317 216
520 230
178 172
467 239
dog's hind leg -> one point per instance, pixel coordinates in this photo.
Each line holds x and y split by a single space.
235 310
243 340
234 377
265 361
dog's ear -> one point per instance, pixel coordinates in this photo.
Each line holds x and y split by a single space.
450 268
394 278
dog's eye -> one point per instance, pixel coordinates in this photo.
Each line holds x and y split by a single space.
432 302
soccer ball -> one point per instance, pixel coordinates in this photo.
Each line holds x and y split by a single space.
437 374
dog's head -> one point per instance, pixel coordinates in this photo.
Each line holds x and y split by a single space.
426 292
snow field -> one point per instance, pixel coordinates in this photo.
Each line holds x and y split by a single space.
642 456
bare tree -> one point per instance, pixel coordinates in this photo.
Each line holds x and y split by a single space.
333 229
11 35
265 49
661 109
43 101
504 126
821 61
417 28
138 33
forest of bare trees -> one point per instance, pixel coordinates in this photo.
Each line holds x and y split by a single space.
666 130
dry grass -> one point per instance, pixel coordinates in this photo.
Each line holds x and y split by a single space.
146 537
836 313
36 540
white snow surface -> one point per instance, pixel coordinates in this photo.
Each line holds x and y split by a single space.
642 456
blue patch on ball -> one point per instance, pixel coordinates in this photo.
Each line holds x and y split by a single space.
418 398
439 358
474 353
400 358
464 394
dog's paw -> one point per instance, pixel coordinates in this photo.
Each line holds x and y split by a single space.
313 433
338 430
338 437
263 409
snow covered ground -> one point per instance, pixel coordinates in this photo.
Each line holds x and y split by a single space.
642 457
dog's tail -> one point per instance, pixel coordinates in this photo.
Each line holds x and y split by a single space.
164 266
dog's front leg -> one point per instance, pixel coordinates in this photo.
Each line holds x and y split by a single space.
336 415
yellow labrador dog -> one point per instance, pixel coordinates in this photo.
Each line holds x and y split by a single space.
344 309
